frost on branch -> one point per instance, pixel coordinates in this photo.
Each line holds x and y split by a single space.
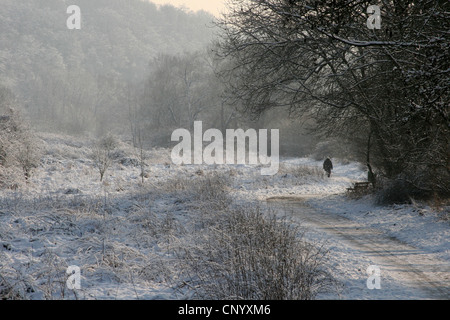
20 150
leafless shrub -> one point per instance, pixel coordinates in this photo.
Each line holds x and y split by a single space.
300 172
213 189
175 185
439 205
19 149
50 278
209 187
103 154
10 289
205 195
444 215
28 155
249 255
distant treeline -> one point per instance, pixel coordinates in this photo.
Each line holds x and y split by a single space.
74 79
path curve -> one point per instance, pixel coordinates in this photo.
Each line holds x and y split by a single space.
408 265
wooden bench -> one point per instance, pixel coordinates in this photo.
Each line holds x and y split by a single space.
359 186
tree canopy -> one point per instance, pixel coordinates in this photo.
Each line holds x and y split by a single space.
389 87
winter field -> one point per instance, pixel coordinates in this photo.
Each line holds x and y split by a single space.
168 237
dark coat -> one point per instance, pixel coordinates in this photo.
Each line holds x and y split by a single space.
327 165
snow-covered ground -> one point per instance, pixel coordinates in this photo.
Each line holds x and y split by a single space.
416 235
113 229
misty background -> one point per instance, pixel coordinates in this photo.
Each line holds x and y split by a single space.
133 68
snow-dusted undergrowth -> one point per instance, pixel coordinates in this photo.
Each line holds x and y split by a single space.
130 240
136 241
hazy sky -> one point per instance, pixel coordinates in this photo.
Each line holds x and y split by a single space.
213 6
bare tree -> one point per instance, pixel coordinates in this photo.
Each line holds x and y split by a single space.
28 155
139 150
103 154
180 90
19 149
319 59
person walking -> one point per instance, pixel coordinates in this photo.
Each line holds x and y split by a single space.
328 166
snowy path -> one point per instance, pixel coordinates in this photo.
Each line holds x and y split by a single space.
406 272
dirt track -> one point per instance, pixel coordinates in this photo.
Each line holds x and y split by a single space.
411 267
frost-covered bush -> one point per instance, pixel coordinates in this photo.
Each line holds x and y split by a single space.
103 154
205 188
11 289
249 255
301 172
213 188
20 150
